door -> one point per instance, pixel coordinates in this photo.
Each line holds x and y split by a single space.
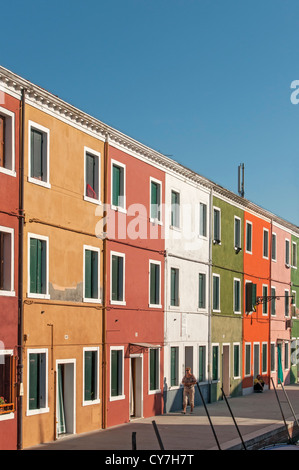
225 370
189 357
256 360
65 395
279 364
136 389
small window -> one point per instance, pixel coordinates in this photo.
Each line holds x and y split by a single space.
237 233
201 290
294 254
247 359
265 300
273 248
175 209
116 375
174 288
118 186
154 369
216 292
248 237
202 363
117 277
202 219
7 142
237 296
272 357
39 155
6 261
38 266
37 385
6 382
264 358
174 366
155 283
92 175
156 201
217 226
287 253
286 355
215 362
286 303
91 274
91 376
273 301
250 296
265 243
236 360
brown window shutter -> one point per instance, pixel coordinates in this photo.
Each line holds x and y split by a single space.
2 146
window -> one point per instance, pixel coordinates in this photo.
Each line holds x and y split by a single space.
6 261
175 209
237 296
272 357
216 292
248 237
265 301
38 266
287 253
91 274
174 366
174 288
91 376
265 243
202 219
286 303
286 355
155 197
7 381
264 358
201 363
116 373
294 254
7 142
39 155
37 381
154 369
273 301
293 303
273 248
237 233
117 278
236 360
250 296
118 186
92 175
201 290
215 362
248 359
155 294
217 225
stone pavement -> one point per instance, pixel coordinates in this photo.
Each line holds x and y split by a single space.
256 415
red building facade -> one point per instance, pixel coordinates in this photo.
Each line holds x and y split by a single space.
134 261
9 255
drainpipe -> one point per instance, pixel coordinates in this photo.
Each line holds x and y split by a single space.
209 298
104 310
270 309
20 274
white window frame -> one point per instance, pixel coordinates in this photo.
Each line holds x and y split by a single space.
122 208
157 390
10 141
265 256
274 237
177 209
46 132
294 255
287 259
33 295
240 301
264 343
215 345
237 243
248 222
239 374
250 359
265 303
46 409
274 289
216 310
203 224
272 344
286 303
97 399
97 250
121 255
202 309
11 292
217 241
152 219
96 154
122 395
152 261
7 352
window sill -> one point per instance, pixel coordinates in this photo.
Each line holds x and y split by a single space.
119 397
92 200
118 209
7 416
7 293
155 221
37 412
155 306
38 296
8 172
154 392
92 301
91 402
44 184
118 302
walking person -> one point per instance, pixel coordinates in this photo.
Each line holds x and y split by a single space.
188 381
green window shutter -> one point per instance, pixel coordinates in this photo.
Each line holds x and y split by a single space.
237 305
215 363
90 176
250 296
201 363
264 358
117 277
33 382
116 185
236 360
155 200
153 369
90 375
33 265
94 274
36 154
202 291
203 219
154 284
173 366
216 288
116 373
88 274
247 359
174 286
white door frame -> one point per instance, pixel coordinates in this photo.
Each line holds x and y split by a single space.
67 361
140 384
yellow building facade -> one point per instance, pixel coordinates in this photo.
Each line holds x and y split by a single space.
63 156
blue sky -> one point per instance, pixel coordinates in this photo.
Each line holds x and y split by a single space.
207 82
